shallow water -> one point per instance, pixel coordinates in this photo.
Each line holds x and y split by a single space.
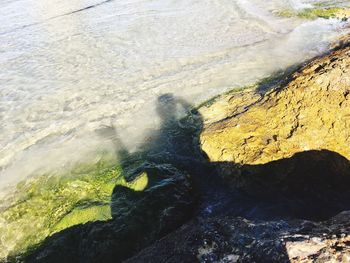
71 67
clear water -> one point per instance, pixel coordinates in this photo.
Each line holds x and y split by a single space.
69 67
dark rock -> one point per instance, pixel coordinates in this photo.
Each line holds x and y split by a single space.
309 185
235 239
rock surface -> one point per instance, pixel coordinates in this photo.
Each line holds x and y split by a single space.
235 239
312 112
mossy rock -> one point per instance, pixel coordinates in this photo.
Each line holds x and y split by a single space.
43 205
162 199
317 12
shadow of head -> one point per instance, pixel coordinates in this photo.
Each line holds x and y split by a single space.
166 107
176 113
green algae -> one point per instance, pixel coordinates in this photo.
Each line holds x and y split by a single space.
84 215
45 204
313 13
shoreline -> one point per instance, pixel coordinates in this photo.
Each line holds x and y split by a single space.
101 186
72 215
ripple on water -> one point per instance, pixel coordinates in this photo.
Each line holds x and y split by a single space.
71 67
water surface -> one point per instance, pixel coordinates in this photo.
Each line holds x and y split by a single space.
70 67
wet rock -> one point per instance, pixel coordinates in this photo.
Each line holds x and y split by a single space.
235 239
139 218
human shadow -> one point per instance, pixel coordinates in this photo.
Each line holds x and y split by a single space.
165 161
181 183
171 148
175 142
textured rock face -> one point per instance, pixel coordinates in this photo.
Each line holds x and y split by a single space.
234 239
311 112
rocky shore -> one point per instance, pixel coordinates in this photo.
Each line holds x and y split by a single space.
260 175
235 239
287 149
311 112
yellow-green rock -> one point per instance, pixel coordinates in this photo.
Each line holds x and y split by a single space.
310 112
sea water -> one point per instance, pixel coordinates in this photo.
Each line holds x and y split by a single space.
70 67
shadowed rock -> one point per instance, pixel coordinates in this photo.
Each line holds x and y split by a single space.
235 239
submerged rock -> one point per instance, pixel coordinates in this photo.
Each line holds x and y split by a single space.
43 205
139 218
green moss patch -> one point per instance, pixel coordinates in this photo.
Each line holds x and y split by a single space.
313 13
317 12
43 205
84 215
